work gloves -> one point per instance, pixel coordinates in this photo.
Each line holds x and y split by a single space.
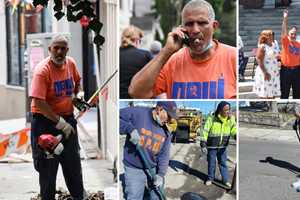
79 102
203 147
65 127
134 137
158 181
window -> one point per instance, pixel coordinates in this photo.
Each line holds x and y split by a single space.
34 23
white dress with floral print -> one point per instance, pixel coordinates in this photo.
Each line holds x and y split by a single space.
269 88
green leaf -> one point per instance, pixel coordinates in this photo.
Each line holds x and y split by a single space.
95 25
77 7
74 1
70 16
79 16
89 12
59 15
40 2
99 40
58 5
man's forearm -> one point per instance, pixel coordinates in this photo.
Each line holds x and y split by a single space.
46 110
284 28
77 89
142 83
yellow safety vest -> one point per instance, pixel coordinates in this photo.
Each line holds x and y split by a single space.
217 131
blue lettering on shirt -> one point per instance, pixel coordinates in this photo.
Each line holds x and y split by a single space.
221 88
179 90
64 87
199 90
194 90
294 50
205 90
212 89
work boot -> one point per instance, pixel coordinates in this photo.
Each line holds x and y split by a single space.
208 182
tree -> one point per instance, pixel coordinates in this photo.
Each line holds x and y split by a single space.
168 14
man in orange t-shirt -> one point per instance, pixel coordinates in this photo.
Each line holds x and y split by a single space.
290 58
55 80
204 69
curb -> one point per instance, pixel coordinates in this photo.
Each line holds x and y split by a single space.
268 134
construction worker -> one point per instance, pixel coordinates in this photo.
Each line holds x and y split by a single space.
214 141
55 80
146 128
192 64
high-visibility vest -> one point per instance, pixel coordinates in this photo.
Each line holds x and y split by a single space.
216 133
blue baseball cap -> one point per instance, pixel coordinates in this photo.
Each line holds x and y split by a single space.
169 106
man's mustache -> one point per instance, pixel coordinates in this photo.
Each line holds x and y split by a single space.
199 36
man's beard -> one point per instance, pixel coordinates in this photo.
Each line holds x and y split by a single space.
203 49
58 61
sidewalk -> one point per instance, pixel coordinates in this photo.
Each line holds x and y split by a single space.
268 133
19 181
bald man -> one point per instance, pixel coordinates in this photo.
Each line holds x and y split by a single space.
55 80
192 65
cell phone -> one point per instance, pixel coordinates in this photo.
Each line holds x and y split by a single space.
186 39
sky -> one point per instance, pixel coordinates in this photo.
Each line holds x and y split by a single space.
204 106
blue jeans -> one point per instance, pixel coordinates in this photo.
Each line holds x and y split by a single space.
221 155
135 182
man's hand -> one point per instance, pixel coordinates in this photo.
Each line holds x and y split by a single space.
285 13
174 40
65 127
80 104
80 95
158 181
134 137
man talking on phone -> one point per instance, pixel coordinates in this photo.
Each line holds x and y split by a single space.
191 65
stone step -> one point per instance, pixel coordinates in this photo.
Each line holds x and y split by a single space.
253 21
274 10
265 14
245 86
247 95
248 79
295 3
272 17
249 72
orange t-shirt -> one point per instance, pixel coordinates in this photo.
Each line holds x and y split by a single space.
184 78
55 85
290 54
